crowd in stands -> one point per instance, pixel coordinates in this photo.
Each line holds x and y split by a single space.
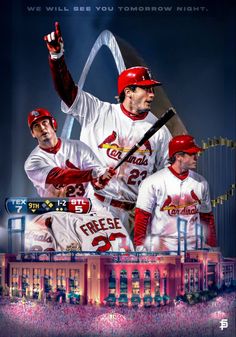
52 319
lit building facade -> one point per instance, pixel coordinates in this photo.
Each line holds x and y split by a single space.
133 278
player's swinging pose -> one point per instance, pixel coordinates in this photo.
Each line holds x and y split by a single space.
59 167
176 191
112 129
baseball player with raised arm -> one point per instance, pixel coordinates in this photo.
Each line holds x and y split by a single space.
111 130
62 231
175 191
59 167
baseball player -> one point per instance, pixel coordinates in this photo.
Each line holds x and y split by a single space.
62 231
112 129
175 191
59 167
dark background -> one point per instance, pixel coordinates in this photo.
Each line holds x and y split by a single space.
192 52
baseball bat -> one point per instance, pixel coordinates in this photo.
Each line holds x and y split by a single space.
156 126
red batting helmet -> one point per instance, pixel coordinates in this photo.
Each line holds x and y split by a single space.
183 143
139 76
39 113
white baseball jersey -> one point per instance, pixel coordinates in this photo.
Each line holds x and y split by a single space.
111 133
61 231
40 163
167 197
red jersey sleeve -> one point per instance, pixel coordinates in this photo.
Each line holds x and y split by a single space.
63 81
68 176
141 220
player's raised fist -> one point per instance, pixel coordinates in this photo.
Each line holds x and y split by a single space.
54 42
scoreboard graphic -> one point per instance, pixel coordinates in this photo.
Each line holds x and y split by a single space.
21 205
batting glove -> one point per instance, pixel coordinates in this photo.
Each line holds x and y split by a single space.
55 43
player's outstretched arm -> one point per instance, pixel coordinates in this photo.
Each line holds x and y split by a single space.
68 176
62 79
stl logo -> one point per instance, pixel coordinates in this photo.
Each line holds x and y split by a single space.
35 113
224 324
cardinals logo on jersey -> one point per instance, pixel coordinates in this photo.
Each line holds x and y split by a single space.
114 151
39 240
181 205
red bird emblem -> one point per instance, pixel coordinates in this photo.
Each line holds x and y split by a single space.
109 139
195 197
70 165
148 147
166 203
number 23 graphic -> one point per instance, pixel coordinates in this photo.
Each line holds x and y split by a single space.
107 244
134 175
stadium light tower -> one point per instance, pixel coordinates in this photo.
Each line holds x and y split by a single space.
182 229
199 235
16 226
